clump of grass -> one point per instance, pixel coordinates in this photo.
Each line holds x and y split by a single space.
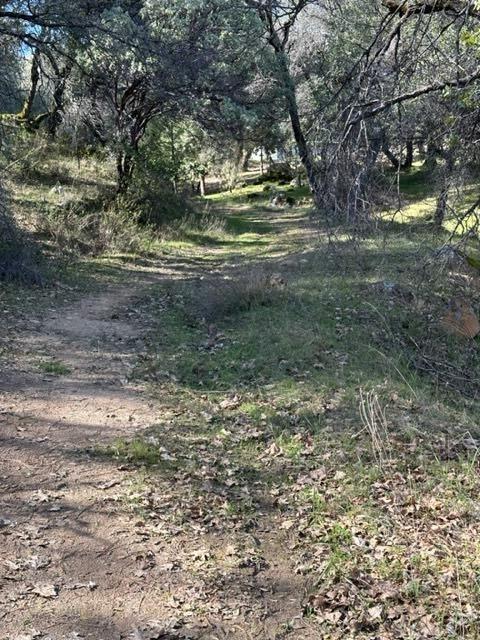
203 221
54 367
74 229
139 451
255 288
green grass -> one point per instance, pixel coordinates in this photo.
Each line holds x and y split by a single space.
54 368
273 392
261 428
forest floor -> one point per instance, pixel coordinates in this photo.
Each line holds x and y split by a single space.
229 441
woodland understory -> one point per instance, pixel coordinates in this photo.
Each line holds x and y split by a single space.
240 302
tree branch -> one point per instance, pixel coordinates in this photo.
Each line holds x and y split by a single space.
383 105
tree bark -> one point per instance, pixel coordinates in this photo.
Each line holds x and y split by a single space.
396 163
277 35
456 7
203 189
442 201
56 114
125 165
292 105
26 112
407 164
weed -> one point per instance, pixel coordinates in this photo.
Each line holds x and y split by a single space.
316 501
375 422
54 368
338 536
413 590
291 445
256 288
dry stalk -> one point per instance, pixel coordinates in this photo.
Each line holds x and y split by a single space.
375 423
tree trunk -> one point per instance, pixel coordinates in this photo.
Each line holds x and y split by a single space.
407 163
391 156
247 156
56 115
239 156
125 165
292 105
203 189
409 155
430 158
442 201
26 112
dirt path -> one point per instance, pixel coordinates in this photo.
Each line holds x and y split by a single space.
68 548
76 562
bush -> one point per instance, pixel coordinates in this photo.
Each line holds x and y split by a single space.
115 228
215 300
18 260
280 172
160 207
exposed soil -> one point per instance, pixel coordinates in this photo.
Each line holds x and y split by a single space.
76 561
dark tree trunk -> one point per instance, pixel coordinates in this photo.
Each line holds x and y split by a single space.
278 37
442 201
430 163
26 112
292 105
125 166
247 156
407 163
56 114
391 156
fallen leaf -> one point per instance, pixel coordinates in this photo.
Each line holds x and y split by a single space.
375 613
46 590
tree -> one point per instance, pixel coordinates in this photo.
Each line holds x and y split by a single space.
278 19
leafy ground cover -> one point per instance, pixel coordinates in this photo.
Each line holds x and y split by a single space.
304 460
301 417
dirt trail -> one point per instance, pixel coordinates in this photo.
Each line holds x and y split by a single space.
75 561
67 547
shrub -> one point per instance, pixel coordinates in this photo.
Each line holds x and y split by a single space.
18 259
255 288
114 228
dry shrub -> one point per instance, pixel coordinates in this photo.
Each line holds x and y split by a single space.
375 424
451 362
17 257
75 231
203 222
216 299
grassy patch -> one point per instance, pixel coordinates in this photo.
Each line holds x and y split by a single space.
260 362
262 405
54 368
